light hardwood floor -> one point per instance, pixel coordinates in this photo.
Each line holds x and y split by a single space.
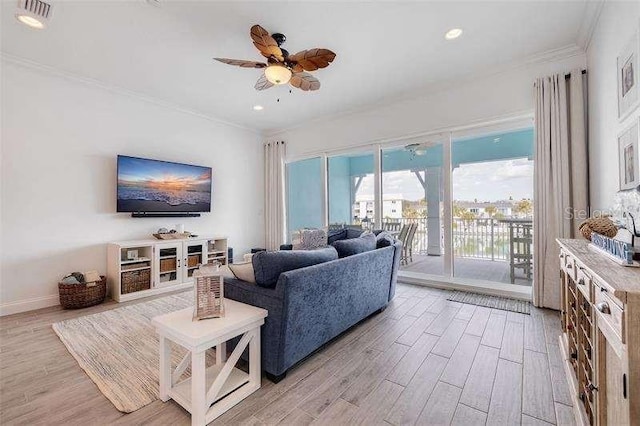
424 360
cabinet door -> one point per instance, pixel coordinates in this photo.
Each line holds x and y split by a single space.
168 264
194 254
613 385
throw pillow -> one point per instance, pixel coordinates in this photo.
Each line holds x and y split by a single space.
225 271
383 239
353 246
309 239
243 271
335 235
269 265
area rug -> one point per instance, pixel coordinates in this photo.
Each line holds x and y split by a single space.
503 303
119 349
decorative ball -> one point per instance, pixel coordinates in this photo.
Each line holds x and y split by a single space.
599 225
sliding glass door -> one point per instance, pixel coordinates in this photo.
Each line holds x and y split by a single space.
350 185
462 203
412 204
493 207
305 200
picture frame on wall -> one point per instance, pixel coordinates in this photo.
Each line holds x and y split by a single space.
629 157
628 72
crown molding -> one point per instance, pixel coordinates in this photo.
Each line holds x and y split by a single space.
47 69
590 19
548 56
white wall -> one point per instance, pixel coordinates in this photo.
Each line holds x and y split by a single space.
60 138
618 21
476 99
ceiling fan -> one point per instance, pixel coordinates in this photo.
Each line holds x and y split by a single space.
282 68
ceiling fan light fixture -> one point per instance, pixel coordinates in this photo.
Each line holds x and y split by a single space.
277 74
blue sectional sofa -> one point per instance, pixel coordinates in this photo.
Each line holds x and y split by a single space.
311 305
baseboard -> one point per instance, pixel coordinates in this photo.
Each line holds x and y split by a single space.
491 288
29 305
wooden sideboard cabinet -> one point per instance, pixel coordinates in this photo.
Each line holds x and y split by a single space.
600 342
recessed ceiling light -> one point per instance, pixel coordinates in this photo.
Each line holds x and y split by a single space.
453 33
34 13
30 21
258 107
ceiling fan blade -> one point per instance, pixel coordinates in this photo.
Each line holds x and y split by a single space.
313 59
263 83
304 81
241 63
265 43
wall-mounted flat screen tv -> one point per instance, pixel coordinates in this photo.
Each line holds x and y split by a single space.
146 185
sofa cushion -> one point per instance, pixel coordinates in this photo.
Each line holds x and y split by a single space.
269 265
354 233
335 235
353 246
383 239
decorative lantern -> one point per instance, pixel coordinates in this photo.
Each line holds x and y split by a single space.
208 292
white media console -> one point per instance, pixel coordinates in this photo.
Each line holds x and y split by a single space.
143 268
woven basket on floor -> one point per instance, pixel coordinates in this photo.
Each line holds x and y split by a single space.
74 296
599 225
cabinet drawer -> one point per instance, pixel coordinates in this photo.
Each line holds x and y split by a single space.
569 265
584 282
600 287
610 312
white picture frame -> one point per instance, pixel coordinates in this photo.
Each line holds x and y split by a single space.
629 157
628 76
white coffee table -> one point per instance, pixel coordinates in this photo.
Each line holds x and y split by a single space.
210 391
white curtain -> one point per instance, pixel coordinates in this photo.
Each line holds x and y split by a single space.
274 155
561 188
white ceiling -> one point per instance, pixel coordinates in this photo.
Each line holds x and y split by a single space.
384 50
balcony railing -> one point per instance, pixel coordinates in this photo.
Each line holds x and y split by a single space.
472 238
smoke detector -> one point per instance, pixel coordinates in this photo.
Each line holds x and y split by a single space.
34 13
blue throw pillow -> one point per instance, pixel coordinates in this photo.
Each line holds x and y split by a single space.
383 239
366 242
335 235
268 265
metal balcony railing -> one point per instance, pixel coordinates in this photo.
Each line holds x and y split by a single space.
472 238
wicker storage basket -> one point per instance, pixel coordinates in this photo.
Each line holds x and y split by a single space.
599 225
74 296
135 281
167 265
193 260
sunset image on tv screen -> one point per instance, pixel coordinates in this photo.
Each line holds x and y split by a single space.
158 186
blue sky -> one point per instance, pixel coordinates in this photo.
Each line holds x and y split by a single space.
491 181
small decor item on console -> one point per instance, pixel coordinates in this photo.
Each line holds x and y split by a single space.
164 234
619 251
208 292
600 225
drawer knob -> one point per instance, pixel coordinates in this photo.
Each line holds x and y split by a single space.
603 289
581 281
603 307
570 266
